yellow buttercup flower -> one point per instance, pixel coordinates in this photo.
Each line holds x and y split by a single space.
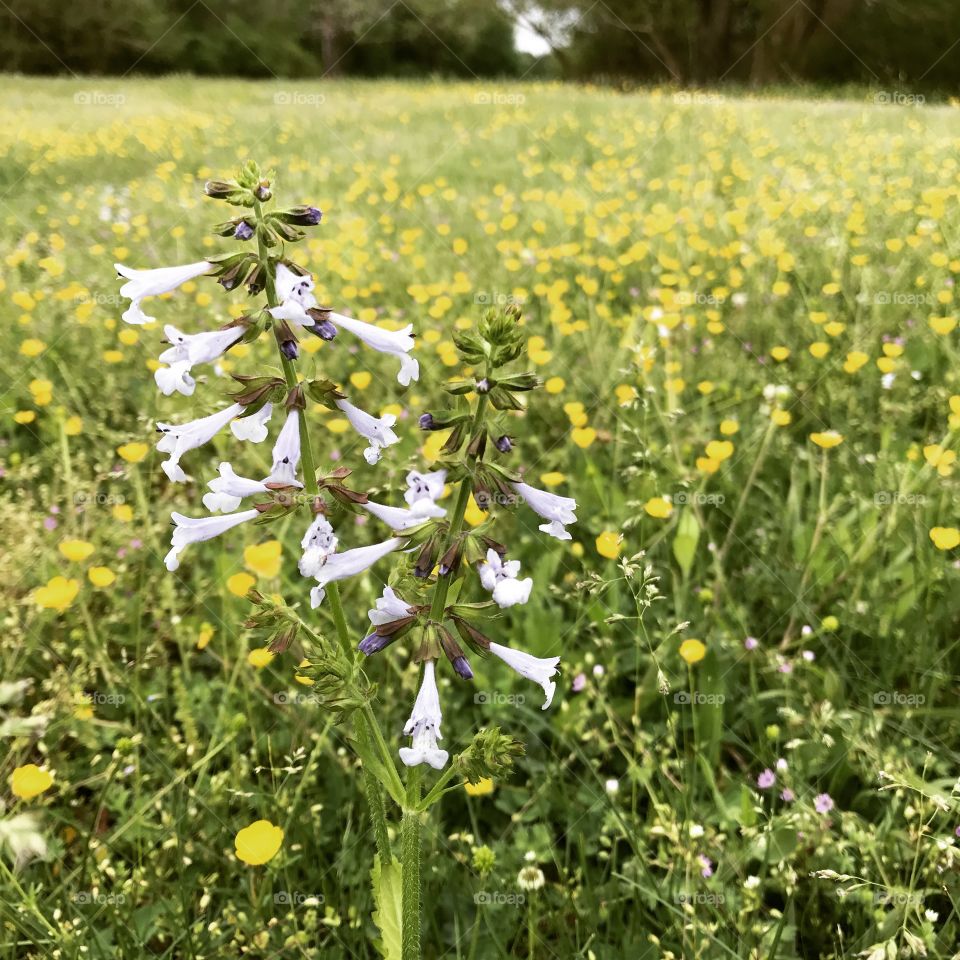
75 550
133 452
780 417
729 427
943 460
855 360
609 543
240 583
945 538
553 479
258 843
30 781
692 651
719 450
827 439
204 636
583 436
474 515
482 788
658 507
58 594
264 558
101 576
780 353
260 658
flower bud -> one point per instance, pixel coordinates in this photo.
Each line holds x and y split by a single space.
374 643
263 191
304 216
218 189
243 231
324 329
426 421
504 444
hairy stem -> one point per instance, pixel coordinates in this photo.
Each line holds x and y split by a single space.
411 853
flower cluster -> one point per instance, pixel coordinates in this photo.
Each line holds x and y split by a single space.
444 552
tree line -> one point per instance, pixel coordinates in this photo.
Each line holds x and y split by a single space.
904 42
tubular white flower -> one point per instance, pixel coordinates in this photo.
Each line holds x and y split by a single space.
556 510
501 580
296 297
254 427
340 566
178 439
175 378
389 607
377 431
537 669
424 725
186 351
151 283
398 518
229 489
286 451
318 543
398 343
424 486
196 529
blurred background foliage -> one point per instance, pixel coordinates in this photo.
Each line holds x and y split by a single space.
685 41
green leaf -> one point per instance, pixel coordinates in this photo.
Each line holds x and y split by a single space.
685 542
387 895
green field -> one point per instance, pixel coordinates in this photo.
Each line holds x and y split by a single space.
743 312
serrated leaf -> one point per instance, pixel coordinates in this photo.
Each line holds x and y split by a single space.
387 895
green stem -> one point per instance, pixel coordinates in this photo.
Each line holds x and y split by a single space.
456 523
410 831
306 450
378 812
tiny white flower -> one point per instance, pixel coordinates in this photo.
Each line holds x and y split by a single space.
424 725
151 283
296 297
424 486
188 350
537 669
318 543
229 489
612 787
377 431
695 831
501 580
751 883
197 529
398 518
389 607
558 511
398 343
253 427
177 439
175 378
286 451
340 566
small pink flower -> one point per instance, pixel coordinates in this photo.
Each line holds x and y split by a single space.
706 865
751 643
579 682
787 795
823 803
766 779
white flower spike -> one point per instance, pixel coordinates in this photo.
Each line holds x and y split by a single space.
197 529
537 669
501 580
178 439
377 431
557 511
340 566
152 283
424 726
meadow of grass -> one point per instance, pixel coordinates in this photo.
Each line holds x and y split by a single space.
744 313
